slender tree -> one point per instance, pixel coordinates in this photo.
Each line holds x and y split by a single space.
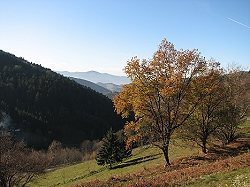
236 106
160 94
206 118
230 120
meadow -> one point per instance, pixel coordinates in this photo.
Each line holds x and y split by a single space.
142 158
222 166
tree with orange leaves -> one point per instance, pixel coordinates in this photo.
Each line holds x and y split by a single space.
160 94
206 119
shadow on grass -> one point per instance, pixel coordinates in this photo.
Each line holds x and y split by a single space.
233 149
137 161
122 165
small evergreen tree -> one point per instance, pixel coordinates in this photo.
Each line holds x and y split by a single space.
124 151
113 149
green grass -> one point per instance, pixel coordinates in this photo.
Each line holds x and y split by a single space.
246 127
239 178
142 158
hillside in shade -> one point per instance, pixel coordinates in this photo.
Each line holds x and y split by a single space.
47 106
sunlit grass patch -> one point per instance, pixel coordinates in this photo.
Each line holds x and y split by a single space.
67 174
146 166
143 158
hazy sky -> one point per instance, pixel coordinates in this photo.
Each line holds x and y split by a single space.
102 35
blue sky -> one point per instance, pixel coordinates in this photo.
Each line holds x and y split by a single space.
102 35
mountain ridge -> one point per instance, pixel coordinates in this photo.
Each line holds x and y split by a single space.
95 77
91 85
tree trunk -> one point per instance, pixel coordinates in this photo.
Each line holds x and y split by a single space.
165 152
204 146
3 183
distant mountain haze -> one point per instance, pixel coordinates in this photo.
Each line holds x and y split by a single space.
107 89
110 86
95 77
96 87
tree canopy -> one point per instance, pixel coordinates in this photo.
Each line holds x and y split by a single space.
164 92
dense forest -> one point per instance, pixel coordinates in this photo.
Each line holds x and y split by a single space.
47 106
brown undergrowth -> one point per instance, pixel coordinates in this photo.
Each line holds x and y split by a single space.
219 159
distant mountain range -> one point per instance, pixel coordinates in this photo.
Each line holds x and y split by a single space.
104 88
110 86
96 87
96 77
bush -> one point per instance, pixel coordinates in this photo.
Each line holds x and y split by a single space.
19 164
60 155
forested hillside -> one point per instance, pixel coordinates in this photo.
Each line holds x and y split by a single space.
46 106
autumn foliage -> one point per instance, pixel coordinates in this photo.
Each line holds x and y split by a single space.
164 92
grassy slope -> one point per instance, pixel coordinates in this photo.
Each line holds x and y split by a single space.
142 159
181 170
239 177
146 165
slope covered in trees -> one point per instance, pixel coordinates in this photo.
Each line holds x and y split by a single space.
46 106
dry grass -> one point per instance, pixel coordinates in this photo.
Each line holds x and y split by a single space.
219 159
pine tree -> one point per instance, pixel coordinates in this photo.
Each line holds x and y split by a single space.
113 149
124 152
